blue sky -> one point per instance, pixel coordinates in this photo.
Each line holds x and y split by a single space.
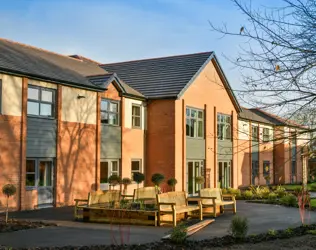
118 30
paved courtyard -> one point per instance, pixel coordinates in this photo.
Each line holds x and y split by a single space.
262 217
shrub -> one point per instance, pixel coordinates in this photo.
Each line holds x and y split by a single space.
265 192
248 195
199 180
157 179
138 177
234 191
272 196
224 191
289 200
272 232
313 232
172 182
126 181
289 231
179 234
313 187
8 190
239 227
280 191
114 180
256 191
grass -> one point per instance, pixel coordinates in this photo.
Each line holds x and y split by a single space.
292 187
313 202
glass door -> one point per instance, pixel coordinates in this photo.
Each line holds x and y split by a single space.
224 174
194 169
45 183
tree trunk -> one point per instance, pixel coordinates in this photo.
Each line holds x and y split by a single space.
7 212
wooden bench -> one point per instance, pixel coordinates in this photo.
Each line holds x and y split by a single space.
145 194
175 203
213 197
98 198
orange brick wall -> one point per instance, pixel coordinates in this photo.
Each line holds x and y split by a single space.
160 139
10 148
244 165
76 153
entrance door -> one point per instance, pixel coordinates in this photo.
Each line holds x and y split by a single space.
45 183
194 169
224 174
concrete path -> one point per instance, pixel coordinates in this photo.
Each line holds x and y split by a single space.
261 218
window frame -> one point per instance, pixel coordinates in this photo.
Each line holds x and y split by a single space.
264 139
255 139
140 167
118 113
196 124
35 174
225 124
39 101
136 116
110 169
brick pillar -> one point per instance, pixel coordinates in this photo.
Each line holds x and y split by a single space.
233 151
23 143
215 148
184 137
58 141
207 170
98 143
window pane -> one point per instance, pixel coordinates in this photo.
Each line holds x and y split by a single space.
188 112
200 128
30 180
228 132
47 96
32 108
33 93
228 120
135 166
114 166
46 109
45 174
113 119
30 166
136 121
200 114
104 117
104 172
218 118
113 107
136 110
188 127
192 132
193 113
104 105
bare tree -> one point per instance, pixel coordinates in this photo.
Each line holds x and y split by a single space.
278 58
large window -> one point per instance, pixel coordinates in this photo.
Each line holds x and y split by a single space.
254 133
136 116
30 173
266 135
194 123
109 112
224 129
39 173
136 167
108 168
41 101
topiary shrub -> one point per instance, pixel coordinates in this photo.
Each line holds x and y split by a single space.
179 234
172 182
126 181
157 179
289 200
239 227
8 190
247 195
199 180
138 178
114 180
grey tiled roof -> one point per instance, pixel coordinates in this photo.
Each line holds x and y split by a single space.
159 77
31 61
248 114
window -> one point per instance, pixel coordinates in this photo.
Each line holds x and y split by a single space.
266 171
136 116
109 112
41 101
108 168
293 166
136 167
194 123
223 127
0 96
254 133
30 173
266 135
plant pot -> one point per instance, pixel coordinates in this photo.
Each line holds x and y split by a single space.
104 186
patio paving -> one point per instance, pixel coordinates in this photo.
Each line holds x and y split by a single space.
262 217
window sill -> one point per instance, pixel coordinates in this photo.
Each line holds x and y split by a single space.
196 138
139 128
41 117
110 125
28 188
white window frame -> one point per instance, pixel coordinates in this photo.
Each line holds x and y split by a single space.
196 119
134 116
109 112
225 125
140 167
110 167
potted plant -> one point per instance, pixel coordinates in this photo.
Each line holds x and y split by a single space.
138 178
126 181
8 190
172 182
199 180
114 180
157 179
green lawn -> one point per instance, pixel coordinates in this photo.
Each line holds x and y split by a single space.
292 187
313 202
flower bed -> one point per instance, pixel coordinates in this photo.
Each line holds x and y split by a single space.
16 225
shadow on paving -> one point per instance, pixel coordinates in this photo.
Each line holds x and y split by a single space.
262 217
